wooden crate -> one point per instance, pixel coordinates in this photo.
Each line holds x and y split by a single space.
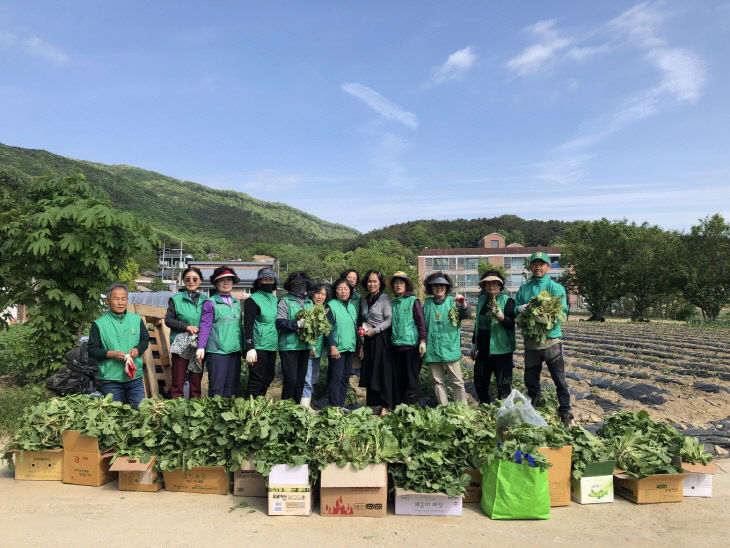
157 365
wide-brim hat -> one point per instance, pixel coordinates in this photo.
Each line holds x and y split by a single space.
540 256
267 273
439 280
486 279
403 276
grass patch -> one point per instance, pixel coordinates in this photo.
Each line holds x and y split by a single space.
13 402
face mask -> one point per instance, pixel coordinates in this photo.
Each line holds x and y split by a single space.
268 287
299 288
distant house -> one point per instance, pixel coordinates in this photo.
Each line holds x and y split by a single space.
247 271
462 264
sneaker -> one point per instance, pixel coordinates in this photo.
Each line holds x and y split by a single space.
345 411
566 417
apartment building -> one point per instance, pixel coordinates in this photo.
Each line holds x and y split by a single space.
462 264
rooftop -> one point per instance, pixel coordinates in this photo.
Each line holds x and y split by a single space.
482 251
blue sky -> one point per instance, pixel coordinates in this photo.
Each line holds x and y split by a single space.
373 113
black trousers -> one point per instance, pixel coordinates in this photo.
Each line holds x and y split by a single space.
293 372
553 357
407 365
261 373
499 364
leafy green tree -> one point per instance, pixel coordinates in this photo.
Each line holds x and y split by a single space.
387 256
61 244
649 269
157 284
129 274
593 254
705 265
484 266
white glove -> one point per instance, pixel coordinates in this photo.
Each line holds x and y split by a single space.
251 356
522 308
300 323
542 318
422 348
199 354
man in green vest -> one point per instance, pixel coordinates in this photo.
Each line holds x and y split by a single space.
551 351
117 341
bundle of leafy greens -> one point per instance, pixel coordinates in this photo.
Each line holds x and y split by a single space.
587 449
494 309
508 451
437 446
357 437
542 307
454 316
315 324
142 434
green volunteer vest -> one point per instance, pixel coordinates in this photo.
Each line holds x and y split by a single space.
265 336
443 343
345 332
225 333
119 333
536 286
186 311
356 299
501 340
318 347
405 332
291 341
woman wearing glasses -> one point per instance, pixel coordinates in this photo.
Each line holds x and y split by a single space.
183 316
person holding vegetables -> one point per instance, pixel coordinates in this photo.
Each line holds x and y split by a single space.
319 294
342 342
184 310
376 315
443 344
260 337
493 341
408 336
293 351
551 349
220 337
117 341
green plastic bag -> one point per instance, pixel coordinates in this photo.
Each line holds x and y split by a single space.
515 491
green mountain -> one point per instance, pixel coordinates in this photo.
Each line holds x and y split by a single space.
206 219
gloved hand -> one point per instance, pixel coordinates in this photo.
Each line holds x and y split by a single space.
199 354
130 369
497 311
542 318
251 357
522 308
422 348
300 323
461 300
473 352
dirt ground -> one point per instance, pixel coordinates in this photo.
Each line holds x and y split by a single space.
40 513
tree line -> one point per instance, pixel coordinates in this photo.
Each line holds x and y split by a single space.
643 270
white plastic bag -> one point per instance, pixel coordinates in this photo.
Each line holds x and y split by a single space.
515 410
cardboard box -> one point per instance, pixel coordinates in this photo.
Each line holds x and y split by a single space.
135 475
212 480
39 465
559 474
347 491
289 493
410 503
247 482
698 479
650 490
596 485
83 464
474 489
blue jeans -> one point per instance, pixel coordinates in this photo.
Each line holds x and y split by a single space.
311 379
131 392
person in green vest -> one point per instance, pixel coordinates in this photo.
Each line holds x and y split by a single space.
443 343
184 310
342 342
319 294
117 341
551 351
493 341
408 337
261 339
353 278
220 335
293 351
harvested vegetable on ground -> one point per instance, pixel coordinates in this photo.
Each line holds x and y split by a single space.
587 449
315 324
543 312
513 451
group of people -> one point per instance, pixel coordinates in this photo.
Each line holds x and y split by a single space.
389 339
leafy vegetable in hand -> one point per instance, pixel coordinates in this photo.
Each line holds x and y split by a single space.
454 316
542 306
315 324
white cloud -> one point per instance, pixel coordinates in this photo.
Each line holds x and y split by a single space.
380 104
34 46
455 66
540 54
